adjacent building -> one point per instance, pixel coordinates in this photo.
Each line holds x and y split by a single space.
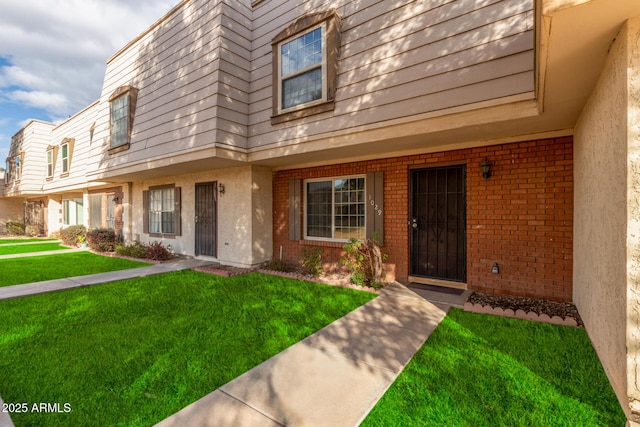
488 144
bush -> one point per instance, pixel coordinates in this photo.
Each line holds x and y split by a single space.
102 239
277 265
136 249
14 227
311 260
71 234
156 251
364 259
32 230
55 235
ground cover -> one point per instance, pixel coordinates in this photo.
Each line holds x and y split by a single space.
6 241
480 370
136 351
16 271
35 247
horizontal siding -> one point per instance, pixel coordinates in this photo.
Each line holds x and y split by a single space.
193 75
204 75
400 59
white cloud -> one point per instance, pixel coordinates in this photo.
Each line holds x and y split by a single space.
57 48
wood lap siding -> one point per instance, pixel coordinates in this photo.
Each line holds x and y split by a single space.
445 54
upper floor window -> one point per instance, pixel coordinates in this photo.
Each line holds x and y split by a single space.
18 164
7 172
122 107
49 162
64 154
305 59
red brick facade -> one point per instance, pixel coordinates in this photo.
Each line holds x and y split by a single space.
521 217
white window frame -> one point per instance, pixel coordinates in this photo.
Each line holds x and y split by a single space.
70 212
18 166
50 163
332 179
65 160
160 212
323 70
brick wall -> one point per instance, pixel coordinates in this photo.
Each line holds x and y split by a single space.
521 217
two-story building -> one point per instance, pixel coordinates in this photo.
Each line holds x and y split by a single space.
489 144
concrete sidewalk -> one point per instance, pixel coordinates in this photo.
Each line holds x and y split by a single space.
30 254
332 378
94 279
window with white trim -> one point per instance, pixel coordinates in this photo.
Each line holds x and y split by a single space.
64 154
18 164
122 106
335 208
301 76
161 211
305 62
72 211
50 163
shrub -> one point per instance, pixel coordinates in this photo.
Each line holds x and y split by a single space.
102 239
55 235
364 259
277 265
311 260
32 230
14 227
136 249
158 252
71 234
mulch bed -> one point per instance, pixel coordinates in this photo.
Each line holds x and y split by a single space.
538 306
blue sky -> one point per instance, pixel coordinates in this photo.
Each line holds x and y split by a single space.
53 54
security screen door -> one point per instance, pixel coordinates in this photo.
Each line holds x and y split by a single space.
437 223
206 219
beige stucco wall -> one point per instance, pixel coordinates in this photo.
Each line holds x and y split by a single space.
11 209
607 216
244 214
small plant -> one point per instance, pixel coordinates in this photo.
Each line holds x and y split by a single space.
32 230
364 259
82 240
277 265
102 239
15 228
311 260
55 235
71 234
156 251
135 249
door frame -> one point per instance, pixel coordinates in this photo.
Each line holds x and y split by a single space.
214 185
432 280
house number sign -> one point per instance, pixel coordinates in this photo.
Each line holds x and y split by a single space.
376 207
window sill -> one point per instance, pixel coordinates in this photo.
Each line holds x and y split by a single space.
162 236
303 112
49 178
64 175
323 243
119 148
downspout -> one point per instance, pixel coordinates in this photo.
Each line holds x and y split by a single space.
130 200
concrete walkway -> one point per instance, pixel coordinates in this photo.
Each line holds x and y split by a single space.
332 378
94 279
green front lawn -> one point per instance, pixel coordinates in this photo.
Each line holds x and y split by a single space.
36 247
480 370
134 352
26 240
47 267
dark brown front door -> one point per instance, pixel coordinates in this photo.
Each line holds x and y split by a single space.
437 223
206 219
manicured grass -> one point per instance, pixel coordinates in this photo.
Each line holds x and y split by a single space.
46 267
26 240
134 352
480 370
36 247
